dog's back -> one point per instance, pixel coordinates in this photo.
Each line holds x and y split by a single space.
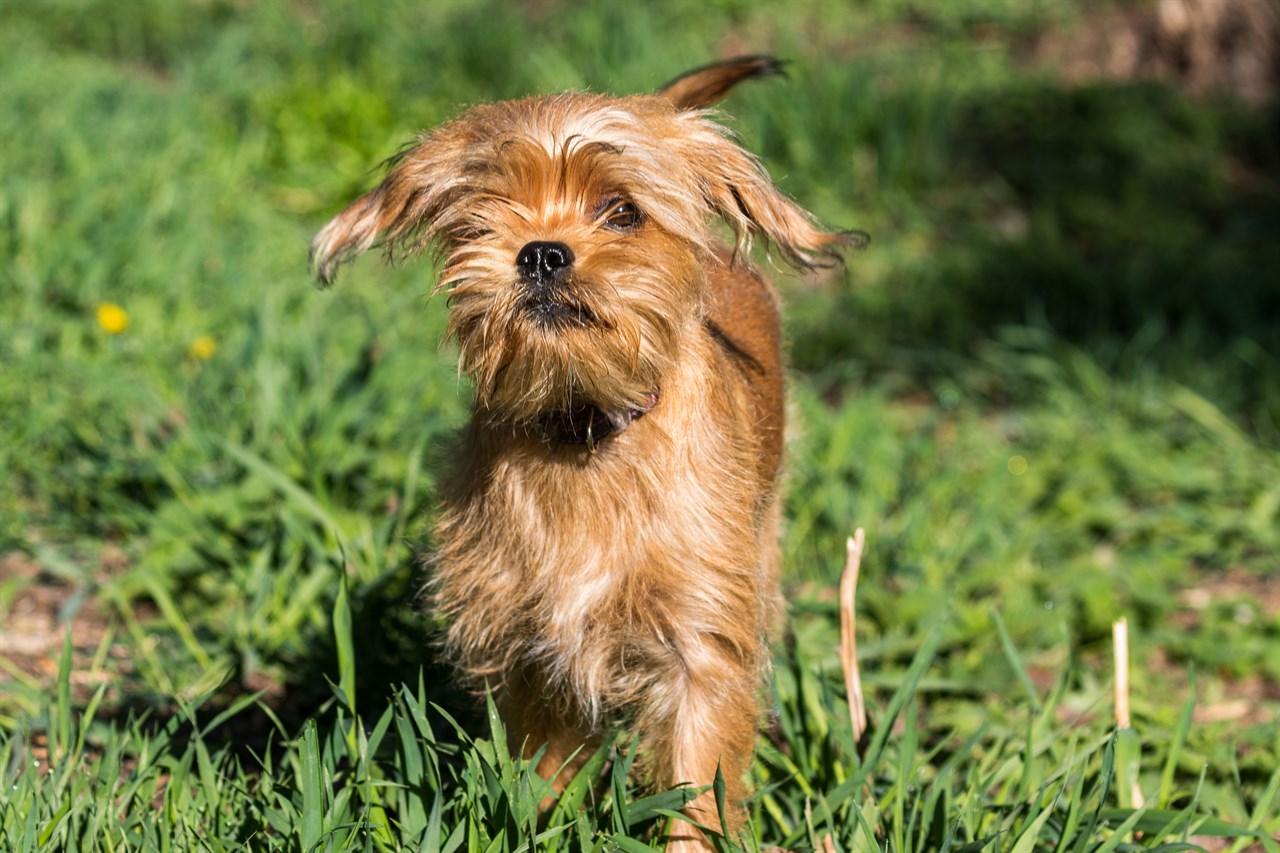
743 317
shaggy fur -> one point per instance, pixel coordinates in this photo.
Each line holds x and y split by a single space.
633 576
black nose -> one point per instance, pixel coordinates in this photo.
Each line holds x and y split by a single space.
543 260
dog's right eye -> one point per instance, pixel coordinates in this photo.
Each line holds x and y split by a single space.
623 216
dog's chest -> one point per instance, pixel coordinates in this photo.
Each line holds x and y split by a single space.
564 556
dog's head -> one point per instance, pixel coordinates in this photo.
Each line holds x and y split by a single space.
574 232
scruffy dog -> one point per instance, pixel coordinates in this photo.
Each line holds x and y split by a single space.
608 542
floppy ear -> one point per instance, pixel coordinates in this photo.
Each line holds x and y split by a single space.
736 186
704 86
399 214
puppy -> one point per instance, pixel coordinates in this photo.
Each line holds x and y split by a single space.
608 542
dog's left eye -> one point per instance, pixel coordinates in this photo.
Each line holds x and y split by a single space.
623 216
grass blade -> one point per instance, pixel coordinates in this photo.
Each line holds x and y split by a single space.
313 805
1015 661
1175 747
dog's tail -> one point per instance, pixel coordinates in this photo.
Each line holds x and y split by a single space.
704 86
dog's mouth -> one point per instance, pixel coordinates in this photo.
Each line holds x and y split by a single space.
558 313
588 424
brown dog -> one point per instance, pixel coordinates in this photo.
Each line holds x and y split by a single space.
608 543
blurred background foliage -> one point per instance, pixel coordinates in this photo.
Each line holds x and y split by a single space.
1050 387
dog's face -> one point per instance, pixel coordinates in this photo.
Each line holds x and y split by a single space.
574 233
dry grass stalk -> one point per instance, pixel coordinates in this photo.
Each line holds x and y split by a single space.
1120 649
848 634
1129 746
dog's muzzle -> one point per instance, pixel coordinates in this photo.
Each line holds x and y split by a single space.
544 268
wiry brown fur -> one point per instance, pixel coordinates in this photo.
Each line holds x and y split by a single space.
635 579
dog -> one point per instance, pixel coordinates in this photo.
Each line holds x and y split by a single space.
607 547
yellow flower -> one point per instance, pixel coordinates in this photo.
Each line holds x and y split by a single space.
203 348
112 319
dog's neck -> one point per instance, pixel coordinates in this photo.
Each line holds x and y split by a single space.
588 424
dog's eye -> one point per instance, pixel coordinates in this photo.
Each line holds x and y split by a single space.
623 216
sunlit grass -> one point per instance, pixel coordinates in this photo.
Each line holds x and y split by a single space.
1047 391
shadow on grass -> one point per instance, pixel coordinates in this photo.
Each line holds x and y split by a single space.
395 646
1131 221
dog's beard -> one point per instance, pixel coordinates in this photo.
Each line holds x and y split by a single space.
603 338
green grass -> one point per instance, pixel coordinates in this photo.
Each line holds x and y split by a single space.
1050 391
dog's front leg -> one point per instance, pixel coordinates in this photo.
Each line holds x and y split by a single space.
532 722
702 719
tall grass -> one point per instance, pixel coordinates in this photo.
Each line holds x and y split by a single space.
413 777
